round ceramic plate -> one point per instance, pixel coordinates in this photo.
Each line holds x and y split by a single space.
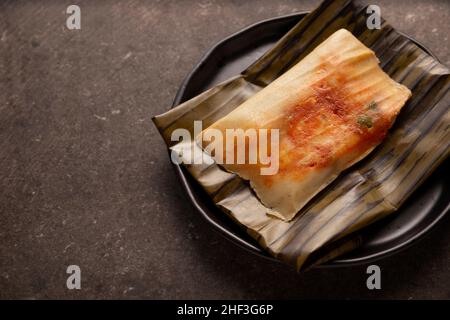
426 207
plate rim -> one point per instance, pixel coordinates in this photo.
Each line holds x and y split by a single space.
256 249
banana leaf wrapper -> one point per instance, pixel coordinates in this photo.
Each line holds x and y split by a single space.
329 225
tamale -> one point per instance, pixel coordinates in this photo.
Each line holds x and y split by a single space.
331 110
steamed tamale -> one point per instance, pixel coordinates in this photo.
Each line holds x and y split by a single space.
330 110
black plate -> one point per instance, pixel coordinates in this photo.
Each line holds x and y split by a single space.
231 56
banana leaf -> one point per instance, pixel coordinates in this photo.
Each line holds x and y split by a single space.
328 226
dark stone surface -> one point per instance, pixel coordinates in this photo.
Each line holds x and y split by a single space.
85 178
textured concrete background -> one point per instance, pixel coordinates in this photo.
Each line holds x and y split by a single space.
85 178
